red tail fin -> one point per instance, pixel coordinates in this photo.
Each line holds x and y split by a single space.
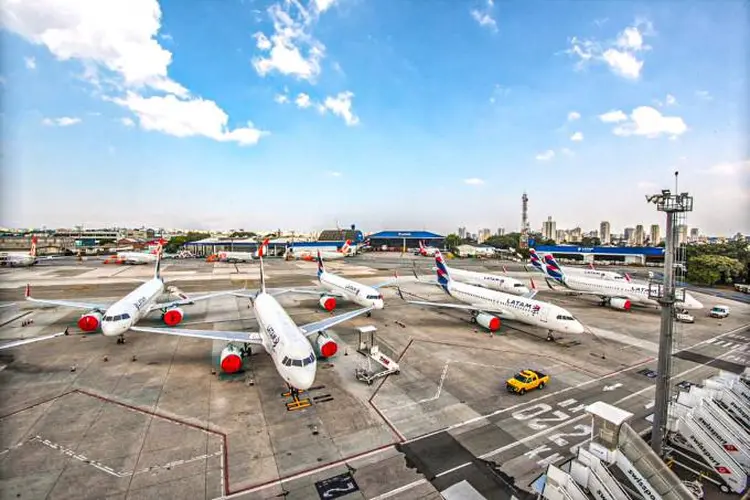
27 293
533 285
32 251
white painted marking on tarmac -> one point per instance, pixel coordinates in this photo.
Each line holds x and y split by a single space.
612 387
649 405
403 488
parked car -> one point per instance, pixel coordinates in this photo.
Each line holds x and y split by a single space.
719 311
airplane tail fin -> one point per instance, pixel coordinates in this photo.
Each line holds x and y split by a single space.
628 278
553 268
536 261
591 266
505 269
321 268
345 247
261 252
157 267
32 251
443 277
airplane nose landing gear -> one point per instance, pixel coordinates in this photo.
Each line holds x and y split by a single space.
297 403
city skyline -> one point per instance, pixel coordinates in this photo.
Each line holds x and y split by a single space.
299 114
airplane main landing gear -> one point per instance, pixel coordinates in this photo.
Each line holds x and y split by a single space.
297 403
121 339
550 337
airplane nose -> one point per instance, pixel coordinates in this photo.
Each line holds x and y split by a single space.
578 328
304 377
112 329
379 304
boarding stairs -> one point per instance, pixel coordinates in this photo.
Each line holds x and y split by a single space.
376 364
709 433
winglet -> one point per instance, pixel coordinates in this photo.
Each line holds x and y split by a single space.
505 269
157 267
533 285
261 251
27 293
321 269
398 288
627 277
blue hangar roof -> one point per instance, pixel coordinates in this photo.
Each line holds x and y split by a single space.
648 251
409 235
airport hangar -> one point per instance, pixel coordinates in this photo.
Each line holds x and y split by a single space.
619 255
328 240
398 240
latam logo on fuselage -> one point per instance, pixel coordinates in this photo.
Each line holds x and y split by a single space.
274 336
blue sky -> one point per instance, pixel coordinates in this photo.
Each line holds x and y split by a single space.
392 114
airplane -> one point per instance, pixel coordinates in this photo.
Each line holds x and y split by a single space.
617 295
115 319
334 287
488 307
426 251
237 256
487 280
294 349
136 258
308 255
23 259
590 272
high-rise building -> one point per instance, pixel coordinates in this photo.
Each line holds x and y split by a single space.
655 236
694 234
560 236
628 236
462 232
501 231
604 233
639 236
575 235
682 234
549 229
523 241
484 234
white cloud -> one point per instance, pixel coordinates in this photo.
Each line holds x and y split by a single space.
547 155
291 49
619 55
577 137
671 100
649 122
281 98
332 173
729 169
128 122
484 19
323 5
567 152
119 38
704 94
573 115
613 116
302 101
341 105
64 121
118 35
187 118
474 181
30 62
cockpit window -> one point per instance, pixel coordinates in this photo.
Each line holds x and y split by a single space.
296 362
126 316
107 318
564 317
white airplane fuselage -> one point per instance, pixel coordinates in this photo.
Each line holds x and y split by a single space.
358 293
17 259
287 345
634 292
529 311
136 257
126 312
235 256
491 281
312 256
594 273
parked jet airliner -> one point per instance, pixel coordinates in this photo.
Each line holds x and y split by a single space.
536 261
338 287
489 306
309 255
617 295
292 348
426 251
237 256
23 259
487 280
115 319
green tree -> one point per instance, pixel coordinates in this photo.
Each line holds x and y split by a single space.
452 241
176 242
711 269
591 242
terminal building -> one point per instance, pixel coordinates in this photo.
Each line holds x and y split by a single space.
614 255
398 240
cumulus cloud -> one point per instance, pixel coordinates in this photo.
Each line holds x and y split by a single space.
302 101
30 62
620 55
180 118
484 17
117 43
128 122
573 115
577 137
649 122
65 121
291 49
474 181
545 156
670 100
281 98
341 105
613 116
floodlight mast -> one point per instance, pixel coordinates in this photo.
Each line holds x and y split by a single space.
665 293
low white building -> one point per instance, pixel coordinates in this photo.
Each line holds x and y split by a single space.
474 251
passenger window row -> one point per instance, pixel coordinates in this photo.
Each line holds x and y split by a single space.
117 318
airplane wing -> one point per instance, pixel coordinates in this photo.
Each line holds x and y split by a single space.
502 313
67 303
314 291
229 336
324 324
387 283
249 294
20 342
187 300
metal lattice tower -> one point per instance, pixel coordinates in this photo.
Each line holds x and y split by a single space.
665 292
524 241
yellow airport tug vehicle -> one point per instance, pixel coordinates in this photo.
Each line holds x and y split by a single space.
526 380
